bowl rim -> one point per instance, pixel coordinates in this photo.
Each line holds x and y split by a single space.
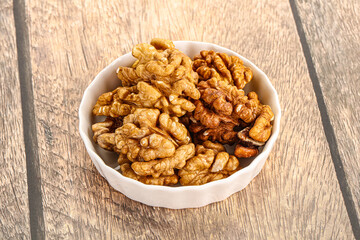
250 168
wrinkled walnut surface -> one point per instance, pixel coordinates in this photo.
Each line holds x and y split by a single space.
229 69
168 70
210 163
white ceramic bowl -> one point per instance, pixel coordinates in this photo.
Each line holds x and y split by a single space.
180 196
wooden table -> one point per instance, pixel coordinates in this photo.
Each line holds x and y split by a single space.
309 187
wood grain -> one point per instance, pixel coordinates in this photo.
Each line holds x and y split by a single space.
332 30
14 210
295 196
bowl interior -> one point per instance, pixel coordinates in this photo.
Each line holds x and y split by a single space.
107 80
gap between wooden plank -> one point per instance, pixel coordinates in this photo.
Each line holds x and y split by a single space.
30 134
328 128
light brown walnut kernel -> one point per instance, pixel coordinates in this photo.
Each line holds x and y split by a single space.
161 61
107 141
143 95
101 128
128 76
127 171
170 73
173 127
261 130
199 177
155 146
108 105
143 117
103 104
203 159
104 133
122 159
160 43
147 135
135 127
157 167
209 164
145 52
220 162
216 147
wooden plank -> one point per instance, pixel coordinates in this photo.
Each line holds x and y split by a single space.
14 210
295 196
332 30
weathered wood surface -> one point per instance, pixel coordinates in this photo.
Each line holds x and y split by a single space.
296 194
14 210
332 31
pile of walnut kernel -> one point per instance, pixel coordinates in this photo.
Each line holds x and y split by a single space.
170 117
